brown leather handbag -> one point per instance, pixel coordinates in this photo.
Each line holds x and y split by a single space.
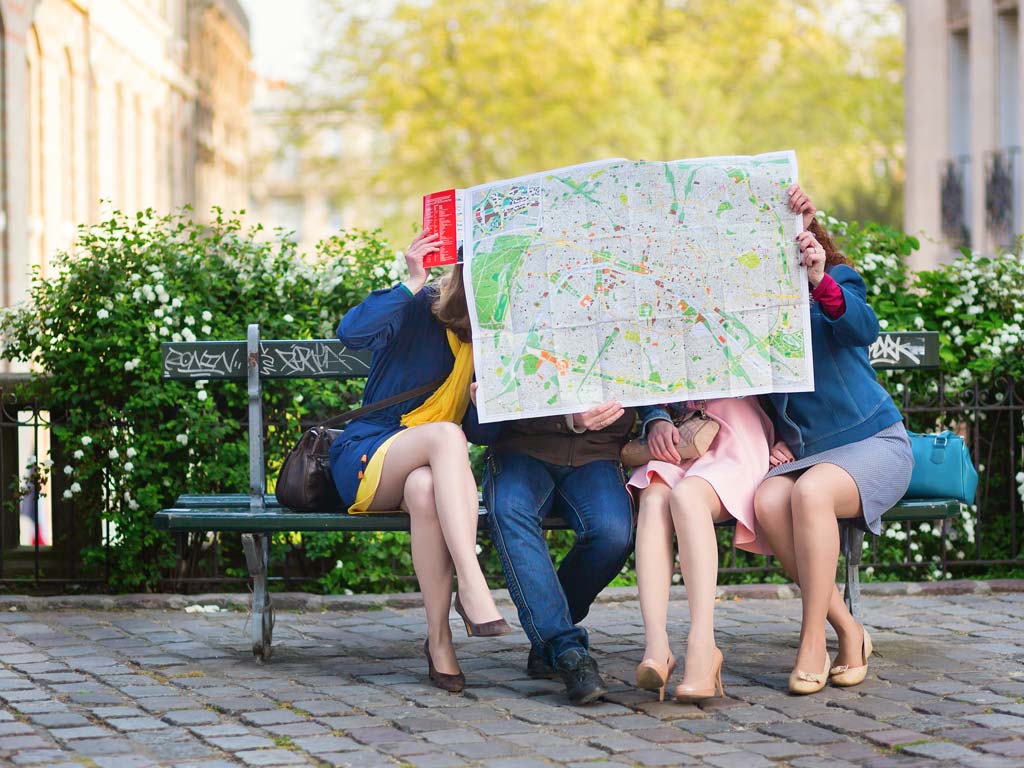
304 482
696 433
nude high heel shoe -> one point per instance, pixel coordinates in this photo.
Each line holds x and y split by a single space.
844 675
708 689
803 683
653 676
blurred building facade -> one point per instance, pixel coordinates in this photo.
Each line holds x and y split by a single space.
963 125
305 163
136 102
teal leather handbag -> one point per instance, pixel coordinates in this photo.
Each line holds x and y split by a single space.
942 468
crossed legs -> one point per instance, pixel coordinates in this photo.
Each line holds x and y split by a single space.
427 472
799 514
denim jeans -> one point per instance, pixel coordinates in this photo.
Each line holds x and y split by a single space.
519 492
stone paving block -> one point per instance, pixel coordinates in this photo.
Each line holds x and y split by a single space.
896 737
433 760
191 717
653 757
81 732
305 728
1005 748
270 757
779 749
323 744
240 743
37 756
997 721
124 761
738 760
939 750
14 728
128 724
803 733
106 746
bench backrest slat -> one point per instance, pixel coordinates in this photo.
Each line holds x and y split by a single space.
312 359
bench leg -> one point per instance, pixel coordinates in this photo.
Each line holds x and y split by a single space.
852 542
261 624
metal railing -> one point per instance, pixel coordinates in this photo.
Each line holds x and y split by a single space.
991 418
1002 196
955 200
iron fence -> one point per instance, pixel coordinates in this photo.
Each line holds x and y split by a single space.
41 537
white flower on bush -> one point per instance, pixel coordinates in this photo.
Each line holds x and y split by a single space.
132 364
176 336
207 315
131 453
68 494
189 320
128 466
288 319
206 330
182 438
86 440
79 454
133 504
113 454
202 394
164 331
68 469
75 488
102 314
187 334
176 302
158 312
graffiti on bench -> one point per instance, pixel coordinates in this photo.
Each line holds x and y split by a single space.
318 358
905 350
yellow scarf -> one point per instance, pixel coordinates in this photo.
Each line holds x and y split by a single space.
449 401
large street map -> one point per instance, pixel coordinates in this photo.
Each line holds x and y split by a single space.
645 282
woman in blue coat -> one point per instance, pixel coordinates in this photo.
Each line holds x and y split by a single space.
413 455
842 452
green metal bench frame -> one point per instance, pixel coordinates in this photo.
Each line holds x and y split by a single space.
258 515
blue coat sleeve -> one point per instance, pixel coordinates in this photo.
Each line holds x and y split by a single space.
477 433
857 326
648 414
373 322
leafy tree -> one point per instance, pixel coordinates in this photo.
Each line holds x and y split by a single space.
459 92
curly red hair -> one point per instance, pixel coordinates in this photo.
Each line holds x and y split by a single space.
832 254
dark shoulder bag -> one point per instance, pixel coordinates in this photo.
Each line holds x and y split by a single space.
304 482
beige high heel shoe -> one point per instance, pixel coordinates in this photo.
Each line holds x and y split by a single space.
803 683
653 676
844 675
689 694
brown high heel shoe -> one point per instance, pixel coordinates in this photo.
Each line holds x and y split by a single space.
803 683
451 683
653 676
495 628
690 694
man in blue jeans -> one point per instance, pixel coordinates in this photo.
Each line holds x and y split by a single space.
567 466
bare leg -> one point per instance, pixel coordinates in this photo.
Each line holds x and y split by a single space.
433 566
821 495
695 510
442 447
773 507
654 568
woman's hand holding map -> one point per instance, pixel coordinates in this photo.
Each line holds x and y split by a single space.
422 245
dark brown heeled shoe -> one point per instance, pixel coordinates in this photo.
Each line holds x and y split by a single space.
495 628
451 683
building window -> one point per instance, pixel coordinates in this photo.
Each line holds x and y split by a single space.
1003 167
956 171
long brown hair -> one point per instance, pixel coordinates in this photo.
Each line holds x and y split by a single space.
450 307
832 254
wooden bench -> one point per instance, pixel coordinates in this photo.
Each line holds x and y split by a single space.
257 515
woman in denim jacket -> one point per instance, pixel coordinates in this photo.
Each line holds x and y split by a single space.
841 453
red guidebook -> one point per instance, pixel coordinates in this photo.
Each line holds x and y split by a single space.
442 215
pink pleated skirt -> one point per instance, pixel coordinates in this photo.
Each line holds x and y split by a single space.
734 465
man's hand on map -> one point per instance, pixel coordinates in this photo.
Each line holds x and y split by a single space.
799 202
780 454
423 244
598 417
813 257
662 438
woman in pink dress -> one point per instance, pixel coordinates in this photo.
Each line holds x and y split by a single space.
687 499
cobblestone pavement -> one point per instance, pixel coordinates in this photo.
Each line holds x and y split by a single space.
137 688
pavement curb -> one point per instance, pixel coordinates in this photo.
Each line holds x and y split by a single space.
300 601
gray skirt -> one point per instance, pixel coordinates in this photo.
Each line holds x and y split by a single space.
880 465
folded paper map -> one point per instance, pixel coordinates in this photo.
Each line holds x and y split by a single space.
644 282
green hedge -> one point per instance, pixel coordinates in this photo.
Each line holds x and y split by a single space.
133 442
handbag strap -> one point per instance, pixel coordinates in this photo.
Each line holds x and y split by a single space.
387 402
